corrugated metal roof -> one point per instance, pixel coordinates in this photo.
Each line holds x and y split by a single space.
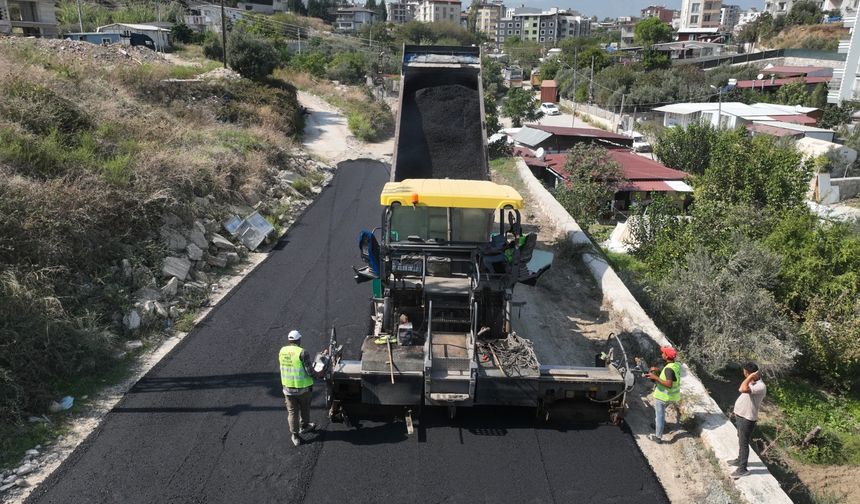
531 136
768 128
767 83
579 132
794 126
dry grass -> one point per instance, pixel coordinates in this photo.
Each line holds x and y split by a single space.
93 153
821 37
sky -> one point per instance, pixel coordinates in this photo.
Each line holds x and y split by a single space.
615 8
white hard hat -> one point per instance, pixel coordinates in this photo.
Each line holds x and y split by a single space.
294 335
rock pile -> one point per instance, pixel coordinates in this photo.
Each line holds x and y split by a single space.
73 49
34 460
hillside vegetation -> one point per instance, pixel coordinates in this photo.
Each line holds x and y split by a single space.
104 158
823 37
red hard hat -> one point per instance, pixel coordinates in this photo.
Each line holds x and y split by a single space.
669 352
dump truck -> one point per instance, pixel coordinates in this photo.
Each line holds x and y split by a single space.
443 264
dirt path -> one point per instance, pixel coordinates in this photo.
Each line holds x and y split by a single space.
327 134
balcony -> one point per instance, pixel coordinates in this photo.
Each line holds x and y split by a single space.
848 22
844 46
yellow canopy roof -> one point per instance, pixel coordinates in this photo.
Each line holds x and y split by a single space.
451 193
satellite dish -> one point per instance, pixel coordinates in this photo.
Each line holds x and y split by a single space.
759 76
540 153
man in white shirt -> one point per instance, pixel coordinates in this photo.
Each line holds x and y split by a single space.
752 392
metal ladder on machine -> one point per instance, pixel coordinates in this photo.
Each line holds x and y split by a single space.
450 368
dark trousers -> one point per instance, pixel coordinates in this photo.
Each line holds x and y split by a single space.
745 428
298 411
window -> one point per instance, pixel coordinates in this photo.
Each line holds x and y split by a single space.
541 39
550 32
543 25
510 32
706 18
517 25
550 25
694 7
694 19
543 32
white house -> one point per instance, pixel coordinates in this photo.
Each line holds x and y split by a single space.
431 11
353 18
400 11
160 36
207 16
732 114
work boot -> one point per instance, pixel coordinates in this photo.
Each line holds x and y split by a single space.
296 440
733 462
308 427
653 437
740 472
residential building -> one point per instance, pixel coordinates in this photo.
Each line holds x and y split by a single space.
846 80
207 17
94 38
432 11
845 7
513 11
700 14
734 114
700 34
746 17
729 17
689 49
488 17
351 19
546 27
628 32
265 6
658 11
34 18
400 11
161 38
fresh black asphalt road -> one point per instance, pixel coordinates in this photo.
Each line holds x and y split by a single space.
208 424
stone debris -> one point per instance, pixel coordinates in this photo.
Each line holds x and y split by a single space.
147 294
219 261
127 271
195 253
21 483
220 73
170 288
114 54
131 321
25 469
133 344
222 243
198 237
172 238
32 452
6 487
9 479
232 257
176 267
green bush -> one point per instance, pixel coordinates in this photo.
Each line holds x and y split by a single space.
40 110
830 339
371 121
313 63
252 57
212 47
360 125
348 68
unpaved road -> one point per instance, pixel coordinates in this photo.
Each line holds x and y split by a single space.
207 424
327 135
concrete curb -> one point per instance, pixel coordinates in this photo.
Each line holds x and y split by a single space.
718 433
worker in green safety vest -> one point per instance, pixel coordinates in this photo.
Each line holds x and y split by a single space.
667 390
297 381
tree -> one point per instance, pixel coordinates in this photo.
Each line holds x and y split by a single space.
491 77
349 68
805 12
818 98
297 6
381 12
651 31
520 105
793 93
754 171
549 68
686 149
724 312
370 4
252 57
591 178
655 60
182 33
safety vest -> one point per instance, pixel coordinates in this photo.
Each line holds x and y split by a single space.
293 374
673 393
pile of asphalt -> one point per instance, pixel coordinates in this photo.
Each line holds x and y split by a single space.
440 134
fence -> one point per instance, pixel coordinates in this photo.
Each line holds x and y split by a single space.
612 119
715 61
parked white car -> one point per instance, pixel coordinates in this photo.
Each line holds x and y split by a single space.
640 144
549 109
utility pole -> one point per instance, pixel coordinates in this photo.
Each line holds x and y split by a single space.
223 35
590 81
621 113
80 17
299 31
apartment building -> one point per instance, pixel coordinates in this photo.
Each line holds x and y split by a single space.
432 11
488 17
658 11
546 27
730 16
700 14
400 11
35 18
